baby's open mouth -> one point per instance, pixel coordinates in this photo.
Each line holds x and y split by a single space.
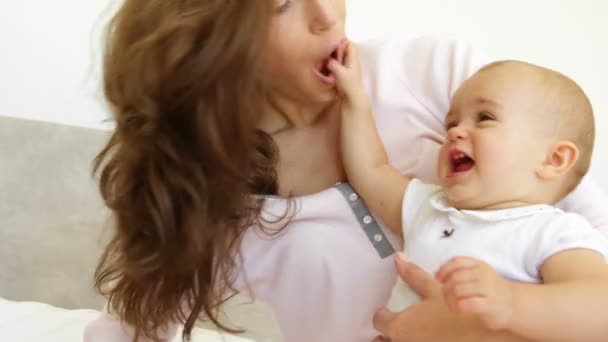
460 161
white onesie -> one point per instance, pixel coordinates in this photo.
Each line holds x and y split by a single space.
515 242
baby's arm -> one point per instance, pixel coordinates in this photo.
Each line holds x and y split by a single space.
572 302
569 306
365 161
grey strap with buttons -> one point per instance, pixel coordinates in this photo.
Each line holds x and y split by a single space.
366 220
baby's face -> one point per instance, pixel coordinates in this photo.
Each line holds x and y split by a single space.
495 140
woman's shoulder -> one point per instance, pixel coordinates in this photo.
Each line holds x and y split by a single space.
421 48
424 69
423 60
442 61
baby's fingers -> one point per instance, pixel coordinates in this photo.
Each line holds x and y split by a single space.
474 305
453 265
465 289
339 71
351 57
347 81
456 290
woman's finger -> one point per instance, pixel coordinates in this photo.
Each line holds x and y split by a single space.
382 319
424 284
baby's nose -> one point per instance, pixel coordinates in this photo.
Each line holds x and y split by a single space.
456 133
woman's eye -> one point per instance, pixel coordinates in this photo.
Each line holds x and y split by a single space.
450 124
283 6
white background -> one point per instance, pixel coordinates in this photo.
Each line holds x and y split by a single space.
50 50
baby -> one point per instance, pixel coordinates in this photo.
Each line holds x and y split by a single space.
519 139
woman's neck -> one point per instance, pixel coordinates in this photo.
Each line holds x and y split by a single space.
282 114
307 138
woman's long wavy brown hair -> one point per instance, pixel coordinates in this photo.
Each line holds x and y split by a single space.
183 82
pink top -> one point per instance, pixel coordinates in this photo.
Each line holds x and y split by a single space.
322 276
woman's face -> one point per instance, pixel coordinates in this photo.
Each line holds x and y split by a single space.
303 36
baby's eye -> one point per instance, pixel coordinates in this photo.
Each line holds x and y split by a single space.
450 124
484 116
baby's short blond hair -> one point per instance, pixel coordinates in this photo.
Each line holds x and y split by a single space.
572 111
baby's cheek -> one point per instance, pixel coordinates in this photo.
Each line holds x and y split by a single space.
442 161
499 156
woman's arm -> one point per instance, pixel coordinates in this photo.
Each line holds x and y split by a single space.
590 200
107 328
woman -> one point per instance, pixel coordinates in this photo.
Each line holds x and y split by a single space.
221 172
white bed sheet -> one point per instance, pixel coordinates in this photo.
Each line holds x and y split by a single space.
35 322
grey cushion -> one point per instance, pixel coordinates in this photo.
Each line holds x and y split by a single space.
51 215
53 222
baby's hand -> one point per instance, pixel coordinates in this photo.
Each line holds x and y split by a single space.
348 76
472 286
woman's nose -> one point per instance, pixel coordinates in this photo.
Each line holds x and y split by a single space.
324 16
457 133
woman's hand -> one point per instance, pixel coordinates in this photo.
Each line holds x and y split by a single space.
430 320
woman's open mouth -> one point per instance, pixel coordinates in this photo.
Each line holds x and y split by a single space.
460 163
322 68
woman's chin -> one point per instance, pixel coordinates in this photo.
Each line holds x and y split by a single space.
321 95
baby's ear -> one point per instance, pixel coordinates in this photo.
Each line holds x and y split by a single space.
559 160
